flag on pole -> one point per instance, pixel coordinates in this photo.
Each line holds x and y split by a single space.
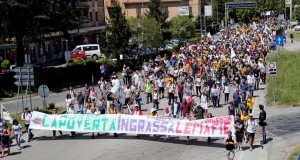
232 54
5 115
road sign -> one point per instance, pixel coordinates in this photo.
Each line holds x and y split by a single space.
208 10
279 40
241 5
23 70
43 91
24 77
24 83
24 74
272 69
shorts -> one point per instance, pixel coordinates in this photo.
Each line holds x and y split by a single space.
239 138
161 89
230 154
250 135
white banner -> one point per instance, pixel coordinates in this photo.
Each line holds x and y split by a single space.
122 123
184 10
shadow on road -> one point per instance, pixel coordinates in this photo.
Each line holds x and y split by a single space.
160 138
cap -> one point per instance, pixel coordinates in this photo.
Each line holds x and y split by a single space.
136 105
250 115
167 108
261 106
153 109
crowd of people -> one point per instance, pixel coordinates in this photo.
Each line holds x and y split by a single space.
196 78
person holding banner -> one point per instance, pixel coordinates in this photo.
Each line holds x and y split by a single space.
167 114
137 112
71 110
154 114
26 116
188 117
113 110
54 112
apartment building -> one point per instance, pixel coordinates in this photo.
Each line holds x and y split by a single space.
137 8
54 45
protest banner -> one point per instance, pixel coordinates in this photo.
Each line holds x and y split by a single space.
122 123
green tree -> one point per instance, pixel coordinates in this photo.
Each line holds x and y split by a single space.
297 13
151 36
135 29
32 19
182 27
155 11
118 32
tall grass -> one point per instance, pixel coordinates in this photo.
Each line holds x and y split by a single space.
287 82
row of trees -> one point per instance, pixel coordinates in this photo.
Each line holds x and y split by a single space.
149 31
30 20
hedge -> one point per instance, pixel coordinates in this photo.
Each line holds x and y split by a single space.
77 72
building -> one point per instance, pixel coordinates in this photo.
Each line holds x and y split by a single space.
54 45
137 8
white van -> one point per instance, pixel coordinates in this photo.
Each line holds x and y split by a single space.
91 50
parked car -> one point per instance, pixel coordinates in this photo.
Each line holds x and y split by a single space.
169 46
91 50
297 28
77 54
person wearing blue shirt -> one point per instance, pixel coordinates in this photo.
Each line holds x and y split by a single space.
243 88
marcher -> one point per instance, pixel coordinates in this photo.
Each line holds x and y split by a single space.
113 110
239 130
54 112
137 112
26 117
18 132
167 114
80 100
251 128
5 140
72 110
230 142
176 108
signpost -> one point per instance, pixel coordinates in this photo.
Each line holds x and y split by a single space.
25 77
43 92
237 5
272 72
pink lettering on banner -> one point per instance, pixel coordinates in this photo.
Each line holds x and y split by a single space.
177 128
155 126
187 129
124 124
163 126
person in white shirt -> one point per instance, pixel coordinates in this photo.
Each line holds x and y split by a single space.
128 94
250 129
155 99
72 110
26 117
226 92
137 79
160 83
251 82
72 93
102 85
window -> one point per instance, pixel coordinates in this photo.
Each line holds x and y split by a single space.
90 48
164 9
96 14
78 48
91 16
138 12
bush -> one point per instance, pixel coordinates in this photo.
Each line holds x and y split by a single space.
5 64
194 40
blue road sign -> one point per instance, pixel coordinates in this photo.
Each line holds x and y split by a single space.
279 40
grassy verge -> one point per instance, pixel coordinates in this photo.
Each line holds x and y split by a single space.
295 154
286 84
296 35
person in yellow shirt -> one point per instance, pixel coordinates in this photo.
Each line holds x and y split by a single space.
250 102
113 110
169 80
154 113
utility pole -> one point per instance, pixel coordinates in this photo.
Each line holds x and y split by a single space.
291 10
